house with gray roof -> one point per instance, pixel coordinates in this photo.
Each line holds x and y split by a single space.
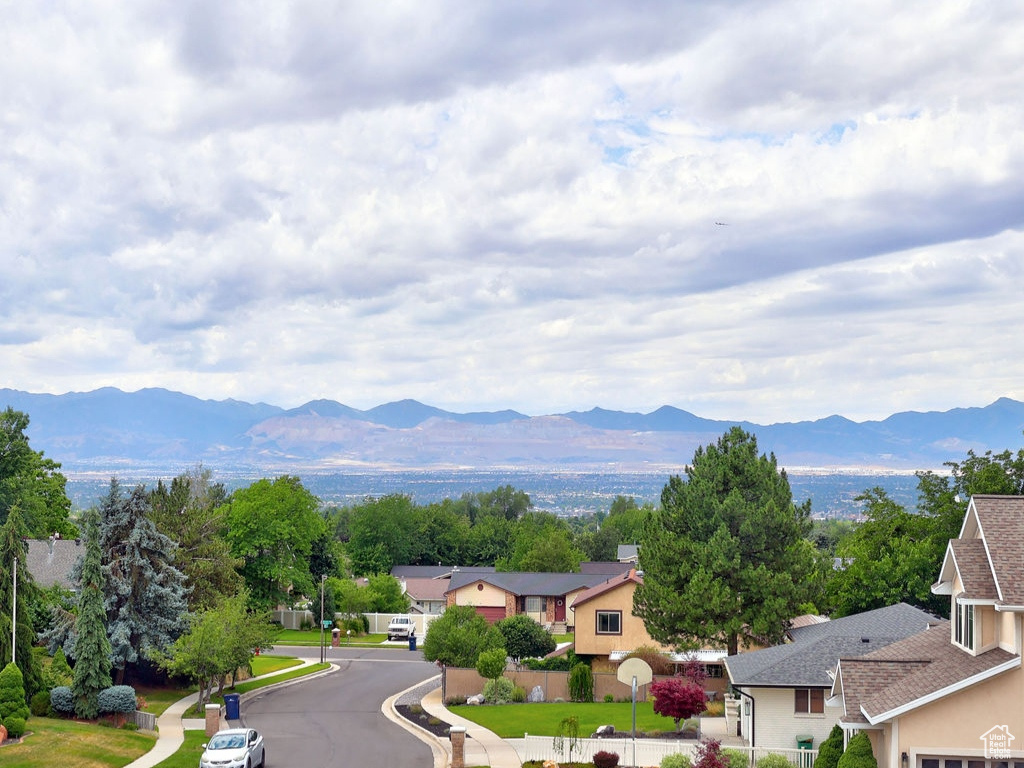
784 688
952 696
544 597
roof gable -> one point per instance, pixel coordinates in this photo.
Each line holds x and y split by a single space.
1000 525
816 648
612 584
521 583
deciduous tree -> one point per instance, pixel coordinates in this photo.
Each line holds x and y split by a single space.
459 636
678 699
725 558
272 527
524 637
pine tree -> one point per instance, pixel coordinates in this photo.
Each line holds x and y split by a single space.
92 648
725 557
145 595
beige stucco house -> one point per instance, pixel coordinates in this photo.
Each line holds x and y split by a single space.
607 630
544 597
952 696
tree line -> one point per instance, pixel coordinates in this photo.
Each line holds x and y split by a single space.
727 554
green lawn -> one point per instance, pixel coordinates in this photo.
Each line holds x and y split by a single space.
188 753
250 685
511 721
159 699
80 745
311 637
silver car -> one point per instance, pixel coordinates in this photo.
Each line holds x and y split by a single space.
234 748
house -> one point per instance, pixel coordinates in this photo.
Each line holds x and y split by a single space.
545 597
425 595
628 553
953 695
783 688
608 631
50 561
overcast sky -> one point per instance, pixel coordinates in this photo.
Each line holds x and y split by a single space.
769 211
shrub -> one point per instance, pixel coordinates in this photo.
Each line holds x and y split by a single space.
518 694
605 759
39 705
710 755
657 661
499 691
130 725
678 700
608 698
117 698
524 637
773 760
12 693
62 700
57 672
581 683
858 753
678 760
15 727
455 701
554 664
831 749
736 758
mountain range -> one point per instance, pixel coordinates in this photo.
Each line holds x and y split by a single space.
160 428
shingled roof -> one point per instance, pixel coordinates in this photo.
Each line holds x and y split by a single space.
50 561
811 658
522 583
913 672
988 556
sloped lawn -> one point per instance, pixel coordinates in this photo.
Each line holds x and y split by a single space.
78 745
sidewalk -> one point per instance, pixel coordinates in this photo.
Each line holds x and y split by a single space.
171 725
482 746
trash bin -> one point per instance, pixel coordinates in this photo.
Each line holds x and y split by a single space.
805 743
412 642
231 705
335 637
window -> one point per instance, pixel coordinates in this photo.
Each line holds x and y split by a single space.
810 701
713 670
609 622
965 626
535 605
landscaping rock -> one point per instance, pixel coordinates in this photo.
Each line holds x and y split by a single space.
476 700
604 731
536 695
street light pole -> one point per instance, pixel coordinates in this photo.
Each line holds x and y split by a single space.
323 578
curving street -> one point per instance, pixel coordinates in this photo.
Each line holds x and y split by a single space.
336 719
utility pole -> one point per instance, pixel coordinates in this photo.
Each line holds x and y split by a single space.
323 578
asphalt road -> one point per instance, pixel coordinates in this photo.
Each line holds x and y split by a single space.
336 720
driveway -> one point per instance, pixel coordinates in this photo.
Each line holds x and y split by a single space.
336 719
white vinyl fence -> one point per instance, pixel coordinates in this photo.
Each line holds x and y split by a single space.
293 619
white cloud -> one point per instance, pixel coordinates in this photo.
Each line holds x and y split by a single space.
515 205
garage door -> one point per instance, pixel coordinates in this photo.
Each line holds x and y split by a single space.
491 614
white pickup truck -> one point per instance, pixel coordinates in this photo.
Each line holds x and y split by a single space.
401 628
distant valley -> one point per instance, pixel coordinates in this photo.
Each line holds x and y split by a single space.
410 447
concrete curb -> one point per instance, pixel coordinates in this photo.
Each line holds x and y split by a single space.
440 748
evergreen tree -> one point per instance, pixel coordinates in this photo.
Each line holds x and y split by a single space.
858 753
831 749
12 548
725 557
12 693
92 648
190 512
145 595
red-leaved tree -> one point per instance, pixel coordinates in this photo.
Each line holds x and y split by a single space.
677 699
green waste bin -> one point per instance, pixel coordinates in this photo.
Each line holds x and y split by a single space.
805 743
